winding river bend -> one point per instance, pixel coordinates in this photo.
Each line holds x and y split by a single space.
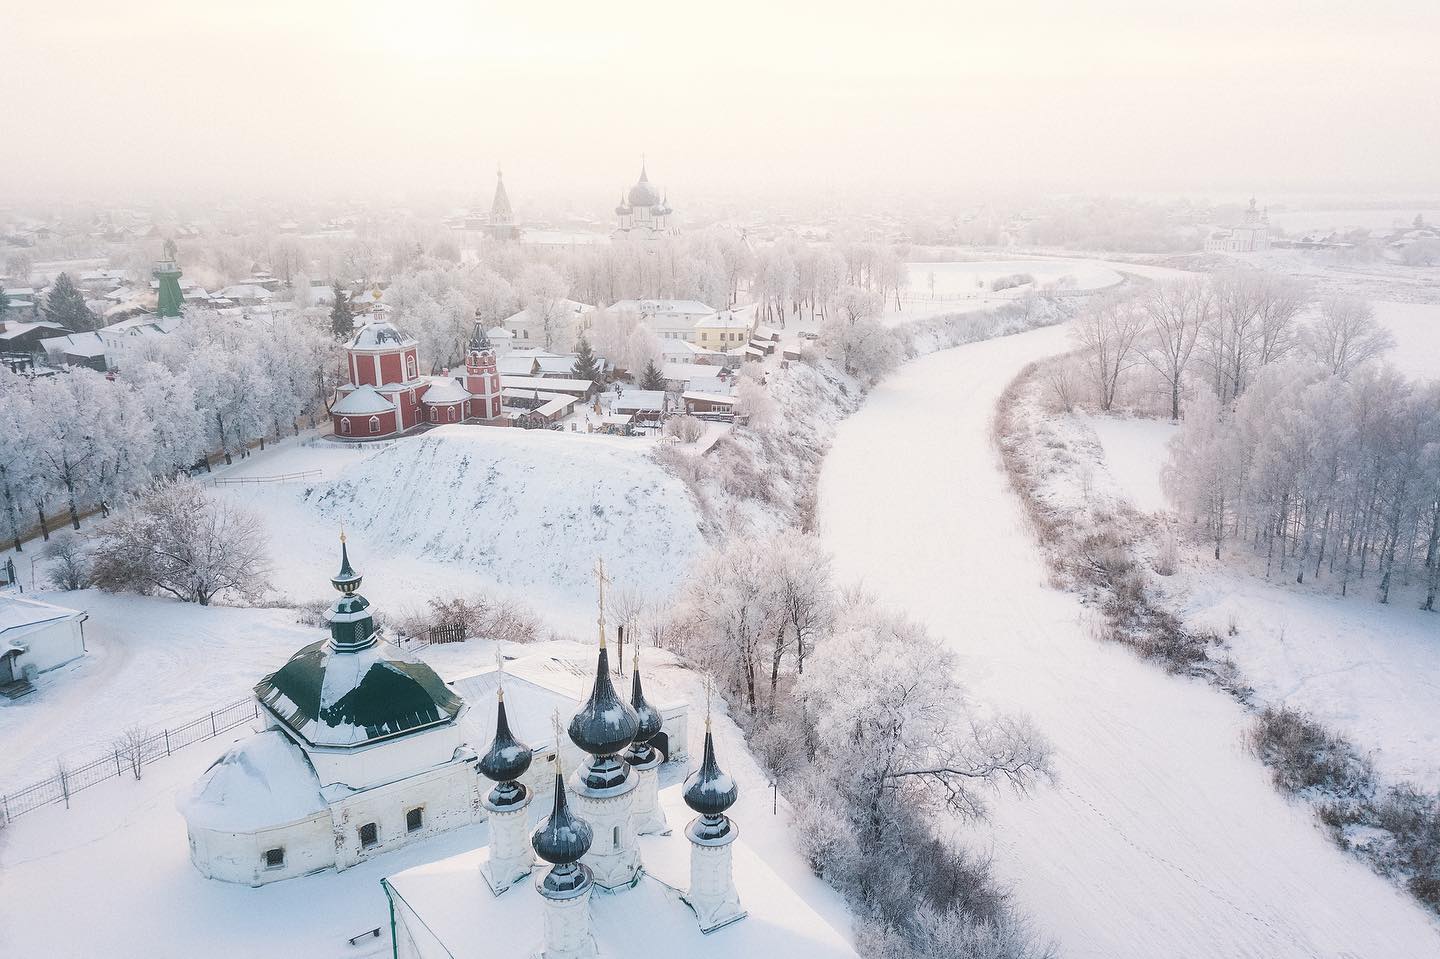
1161 836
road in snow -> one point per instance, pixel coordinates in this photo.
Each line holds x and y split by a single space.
1162 836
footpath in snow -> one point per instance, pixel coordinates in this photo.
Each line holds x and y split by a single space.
1161 835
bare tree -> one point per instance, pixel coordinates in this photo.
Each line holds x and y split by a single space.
178 541
1109 334
1345 335
1177 311
627 607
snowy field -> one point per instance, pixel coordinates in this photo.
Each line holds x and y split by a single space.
1370 671
1162 835
1380 220
54 859
522 514
964 287
1416 327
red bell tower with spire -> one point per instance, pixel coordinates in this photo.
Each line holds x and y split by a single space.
482 379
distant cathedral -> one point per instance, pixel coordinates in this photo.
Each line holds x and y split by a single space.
501 224
1250 235
643 213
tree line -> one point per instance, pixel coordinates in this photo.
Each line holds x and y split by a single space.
77 439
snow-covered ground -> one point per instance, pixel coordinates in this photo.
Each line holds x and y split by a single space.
1416 327
1368 670
523 514
963 287
530 509
1162 836
1134 450
121 858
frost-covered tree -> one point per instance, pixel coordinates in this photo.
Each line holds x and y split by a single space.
1345 334
179 542
1108 333
1177 312
544 292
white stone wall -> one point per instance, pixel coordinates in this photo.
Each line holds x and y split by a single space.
240 856
449 797
385 761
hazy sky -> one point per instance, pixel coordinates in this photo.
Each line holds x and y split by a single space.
106 98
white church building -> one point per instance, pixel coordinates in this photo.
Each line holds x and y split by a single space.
1250 235
363 750
609 864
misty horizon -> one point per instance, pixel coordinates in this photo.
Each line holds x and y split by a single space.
163 101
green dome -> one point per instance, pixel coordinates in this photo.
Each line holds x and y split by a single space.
354 688
335 697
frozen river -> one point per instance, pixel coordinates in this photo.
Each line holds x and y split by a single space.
1161 836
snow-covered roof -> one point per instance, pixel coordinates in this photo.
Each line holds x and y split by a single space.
380 335
516 364
700 396
499 333
361 401
691 371
552 383
245 291
336 697
14 329
75 344
647 307
639 400
725 320
452 901
20 615
571 306
264 782
445 390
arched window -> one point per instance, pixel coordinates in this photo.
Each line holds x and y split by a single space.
615 839
344 426
452 414
434 415
410 366
374 424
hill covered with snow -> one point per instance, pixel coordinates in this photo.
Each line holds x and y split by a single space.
523 507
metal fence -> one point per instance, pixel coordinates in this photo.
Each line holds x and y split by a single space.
250 480
129 754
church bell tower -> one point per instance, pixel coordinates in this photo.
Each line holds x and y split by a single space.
482 378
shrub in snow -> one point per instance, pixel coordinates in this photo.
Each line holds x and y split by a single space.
179 542
69 567
1010 281
686 429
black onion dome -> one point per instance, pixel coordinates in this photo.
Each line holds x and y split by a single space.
606 723
648 716
347 580
507 758
562 838
479 339
710 790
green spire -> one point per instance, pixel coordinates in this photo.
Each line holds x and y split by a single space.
170 301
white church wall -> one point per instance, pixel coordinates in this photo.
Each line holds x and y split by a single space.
385 761
447 797
309 845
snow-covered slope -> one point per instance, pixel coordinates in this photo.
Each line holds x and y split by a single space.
1162 836
523 507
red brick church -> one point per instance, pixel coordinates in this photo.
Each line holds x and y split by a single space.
387 397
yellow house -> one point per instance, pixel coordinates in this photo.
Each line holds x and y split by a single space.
726 329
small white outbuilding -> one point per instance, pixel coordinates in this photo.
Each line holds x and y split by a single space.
36 636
